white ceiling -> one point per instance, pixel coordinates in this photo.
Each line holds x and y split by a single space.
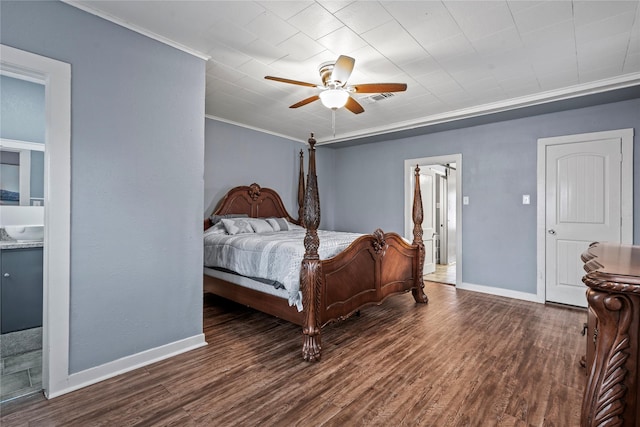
458 58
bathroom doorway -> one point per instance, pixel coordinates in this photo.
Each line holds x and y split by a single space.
22 182
55 76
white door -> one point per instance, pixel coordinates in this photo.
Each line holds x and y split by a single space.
583 205
451 214
428 190
441 205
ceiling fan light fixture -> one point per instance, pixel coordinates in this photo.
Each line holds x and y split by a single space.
334 98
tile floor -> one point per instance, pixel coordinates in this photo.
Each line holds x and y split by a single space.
20 375
443 274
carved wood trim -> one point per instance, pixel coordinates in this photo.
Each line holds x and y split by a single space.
611 397
602 283
301 189
254 191
372 277
311 281
604 399
418 216
254 201
379 242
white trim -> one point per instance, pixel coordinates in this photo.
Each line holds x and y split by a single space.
119 21
575 91
502 292
129 363
626 229
56 76
257 129
25 75
409 165
21 145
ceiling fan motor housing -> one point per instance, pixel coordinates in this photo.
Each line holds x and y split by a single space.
326 70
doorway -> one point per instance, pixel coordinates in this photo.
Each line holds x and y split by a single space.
22 180
584 195
56 78
441 182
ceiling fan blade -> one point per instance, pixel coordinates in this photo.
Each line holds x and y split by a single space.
293 82
305 101
380 87
342 69
353 106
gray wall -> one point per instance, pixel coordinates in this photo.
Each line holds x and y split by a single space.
21 110
137 141
22 118
239 156
499 166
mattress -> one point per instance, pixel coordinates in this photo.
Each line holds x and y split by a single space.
275 256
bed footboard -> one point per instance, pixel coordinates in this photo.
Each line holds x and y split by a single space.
371 269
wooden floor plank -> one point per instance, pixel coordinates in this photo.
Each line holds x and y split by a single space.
464 359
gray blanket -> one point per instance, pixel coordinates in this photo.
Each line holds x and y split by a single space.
274 256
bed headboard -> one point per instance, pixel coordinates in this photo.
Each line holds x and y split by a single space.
253 200
258 202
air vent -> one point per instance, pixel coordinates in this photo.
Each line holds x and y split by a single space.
377 97
381 96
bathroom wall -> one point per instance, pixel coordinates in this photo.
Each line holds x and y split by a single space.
22 118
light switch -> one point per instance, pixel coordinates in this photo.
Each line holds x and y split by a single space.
525 199
465 200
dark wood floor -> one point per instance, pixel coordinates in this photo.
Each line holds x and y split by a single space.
465 359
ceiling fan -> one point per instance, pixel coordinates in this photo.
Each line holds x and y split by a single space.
334 91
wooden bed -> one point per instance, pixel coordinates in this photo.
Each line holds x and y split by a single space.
371 269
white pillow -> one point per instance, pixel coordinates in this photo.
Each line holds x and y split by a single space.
237 225
278 224
216 229
215 219
260 225
281 224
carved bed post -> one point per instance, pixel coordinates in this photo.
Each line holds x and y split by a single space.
418 290
310 274
301 189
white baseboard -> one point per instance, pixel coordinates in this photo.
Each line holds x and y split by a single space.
129 363
500 292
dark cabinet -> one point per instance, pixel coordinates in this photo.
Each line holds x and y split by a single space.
612 393
21 292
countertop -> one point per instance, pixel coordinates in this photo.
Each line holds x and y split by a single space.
13 244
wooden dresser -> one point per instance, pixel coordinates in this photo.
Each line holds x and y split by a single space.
611 396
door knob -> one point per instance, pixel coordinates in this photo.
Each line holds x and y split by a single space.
552 231
7 275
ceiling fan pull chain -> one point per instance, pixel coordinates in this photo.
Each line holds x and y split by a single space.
333 121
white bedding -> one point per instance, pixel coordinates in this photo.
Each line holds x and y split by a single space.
274 256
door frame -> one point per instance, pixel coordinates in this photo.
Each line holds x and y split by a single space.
56 77
443 247
409 166
626 222
428 212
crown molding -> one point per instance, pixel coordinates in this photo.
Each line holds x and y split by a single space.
144 32
257 129
576 91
